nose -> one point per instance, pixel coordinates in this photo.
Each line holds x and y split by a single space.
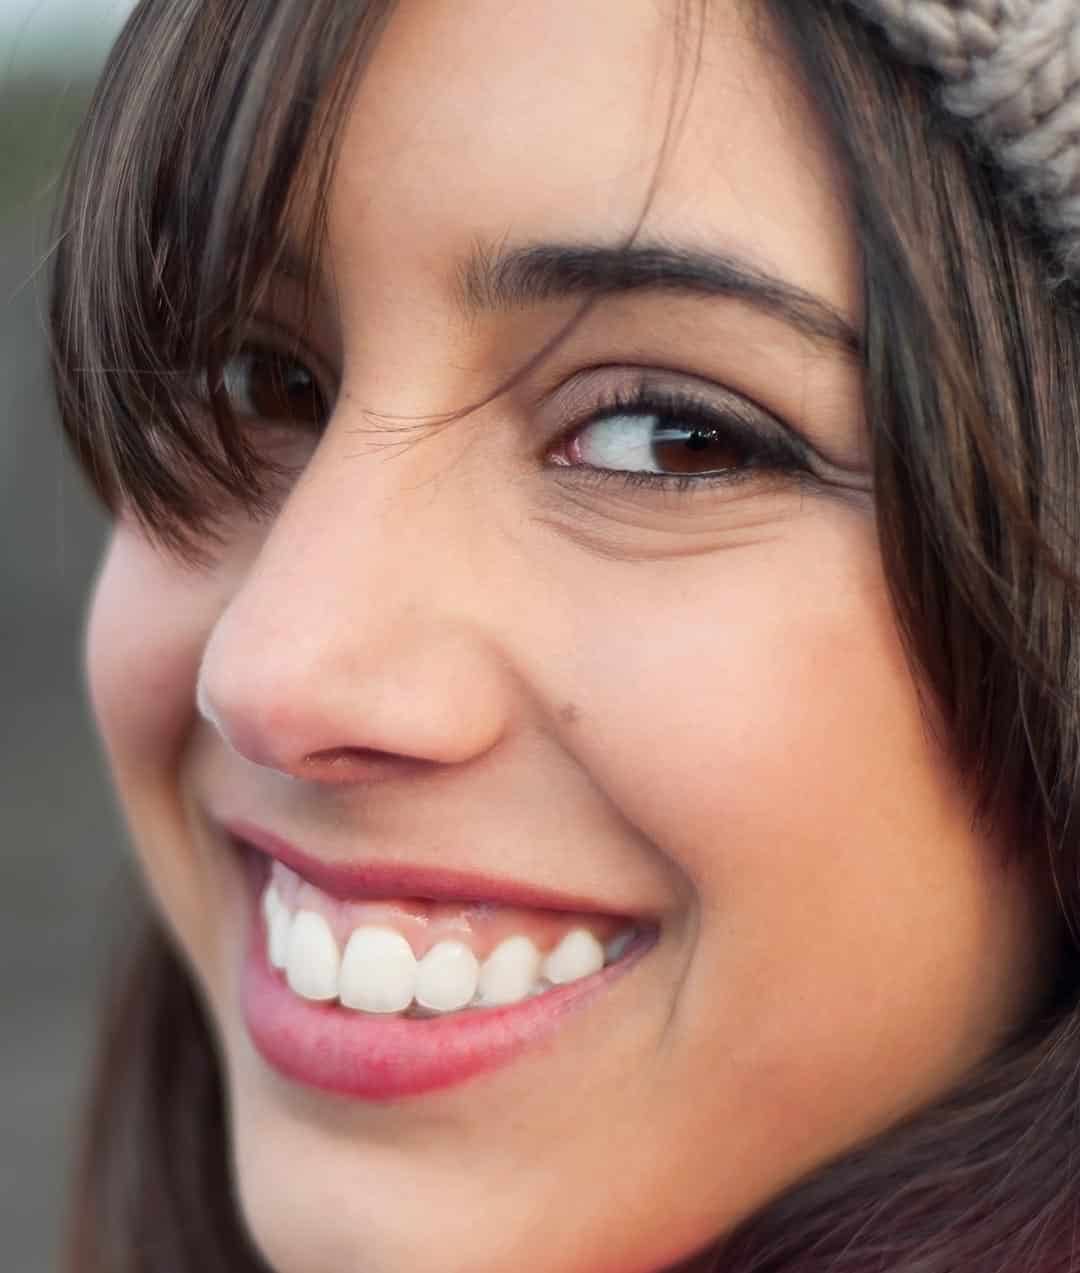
357 639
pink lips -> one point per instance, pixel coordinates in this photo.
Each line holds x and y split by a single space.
374 1058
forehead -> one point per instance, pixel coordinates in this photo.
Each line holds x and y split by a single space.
479 124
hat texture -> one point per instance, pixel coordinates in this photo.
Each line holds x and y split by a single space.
1011 68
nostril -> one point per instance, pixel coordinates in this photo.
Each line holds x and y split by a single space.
336 757
360 764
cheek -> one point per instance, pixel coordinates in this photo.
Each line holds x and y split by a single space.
841 895
148 623
763 691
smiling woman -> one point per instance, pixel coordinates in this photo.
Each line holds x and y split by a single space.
586 649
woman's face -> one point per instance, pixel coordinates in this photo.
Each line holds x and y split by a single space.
517 697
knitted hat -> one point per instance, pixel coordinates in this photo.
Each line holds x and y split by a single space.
1012 69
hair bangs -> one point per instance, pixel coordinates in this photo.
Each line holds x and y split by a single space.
210 134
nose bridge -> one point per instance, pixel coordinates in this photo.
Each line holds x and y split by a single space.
355 630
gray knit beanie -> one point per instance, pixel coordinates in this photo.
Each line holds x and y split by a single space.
1011 68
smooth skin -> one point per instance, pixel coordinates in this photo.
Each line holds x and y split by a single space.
688 704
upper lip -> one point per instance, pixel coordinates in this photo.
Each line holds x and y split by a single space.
369 878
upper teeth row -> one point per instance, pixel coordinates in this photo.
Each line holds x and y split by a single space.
378 972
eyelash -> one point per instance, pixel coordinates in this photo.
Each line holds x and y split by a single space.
765 448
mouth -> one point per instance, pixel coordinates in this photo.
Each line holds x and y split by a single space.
381 982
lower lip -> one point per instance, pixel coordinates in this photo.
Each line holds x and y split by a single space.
372 1058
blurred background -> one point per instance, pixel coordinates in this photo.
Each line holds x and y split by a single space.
61 848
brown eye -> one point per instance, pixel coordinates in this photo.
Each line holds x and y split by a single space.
647 442
686 449
266 384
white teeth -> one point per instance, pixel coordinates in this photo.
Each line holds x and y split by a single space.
378 971
446 977
271 903
576 956
311 966
509 972
280 927
278 922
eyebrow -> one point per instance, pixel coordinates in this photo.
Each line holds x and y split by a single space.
515 278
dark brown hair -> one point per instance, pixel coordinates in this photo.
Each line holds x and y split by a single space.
212 126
